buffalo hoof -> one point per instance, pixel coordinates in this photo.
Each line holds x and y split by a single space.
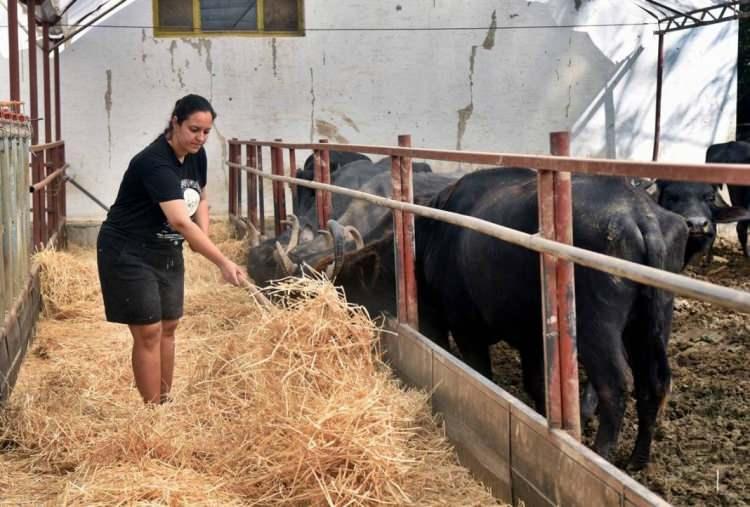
636 463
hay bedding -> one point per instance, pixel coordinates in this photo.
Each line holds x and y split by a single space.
283 405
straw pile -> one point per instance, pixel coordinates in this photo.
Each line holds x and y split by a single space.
282 405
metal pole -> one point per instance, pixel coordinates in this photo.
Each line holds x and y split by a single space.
318 193
233 157
58 112
553 394
659 77
281 187
252 187
398 241
276 192
409 246
261 199
566 309
325 174
46 85
15 83
292 174
33 111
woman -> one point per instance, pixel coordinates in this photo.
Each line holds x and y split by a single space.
161 202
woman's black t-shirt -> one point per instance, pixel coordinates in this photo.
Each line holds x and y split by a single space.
153 176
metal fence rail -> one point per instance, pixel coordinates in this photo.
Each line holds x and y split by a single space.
553 242
679 284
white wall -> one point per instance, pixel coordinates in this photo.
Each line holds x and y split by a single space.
502 90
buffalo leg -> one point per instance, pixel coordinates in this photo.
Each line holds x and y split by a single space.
742 235
652 378
589 402
533 377
474 349
603 357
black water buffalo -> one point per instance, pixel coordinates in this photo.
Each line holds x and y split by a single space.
338 159
735 152
306 196
266 261
270 260
367 275
482 290
702 207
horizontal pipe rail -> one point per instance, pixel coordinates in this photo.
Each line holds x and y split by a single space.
738 174
679 284
41 147
88 194
36 187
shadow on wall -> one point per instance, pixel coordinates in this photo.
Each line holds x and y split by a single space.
696 100
605 99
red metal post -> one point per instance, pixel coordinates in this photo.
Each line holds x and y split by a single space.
63 192
553 392
317 165
252 186
234 158
50 165
292 174
325 174
276 191
46 85
566 309
281 186
261 199
398 241
659 76
13 57
238 181
58 113
409 246
31 24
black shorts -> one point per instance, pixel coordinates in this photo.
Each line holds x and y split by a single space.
141 284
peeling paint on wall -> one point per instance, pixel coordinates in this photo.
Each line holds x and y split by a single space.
172 47
143 46
329 131
463 119
312 105
273 55
464 115
108 108
224 154
489 41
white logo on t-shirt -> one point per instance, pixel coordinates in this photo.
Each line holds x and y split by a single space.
192 199
192 194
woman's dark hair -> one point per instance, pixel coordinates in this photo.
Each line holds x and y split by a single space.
186 106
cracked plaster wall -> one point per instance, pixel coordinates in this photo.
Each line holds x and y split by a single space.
483 89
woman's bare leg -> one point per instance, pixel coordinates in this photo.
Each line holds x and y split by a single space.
146 360
167 356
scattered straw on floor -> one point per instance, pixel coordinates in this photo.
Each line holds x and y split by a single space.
282 405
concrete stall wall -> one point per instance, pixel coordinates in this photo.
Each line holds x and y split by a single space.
498 76
503 442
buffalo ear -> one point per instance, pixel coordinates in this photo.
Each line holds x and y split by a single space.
726 214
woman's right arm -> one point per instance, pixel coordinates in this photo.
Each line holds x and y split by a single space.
178 218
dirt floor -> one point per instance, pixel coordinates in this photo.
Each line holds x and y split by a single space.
701 451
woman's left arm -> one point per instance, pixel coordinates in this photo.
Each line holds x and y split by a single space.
201 215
